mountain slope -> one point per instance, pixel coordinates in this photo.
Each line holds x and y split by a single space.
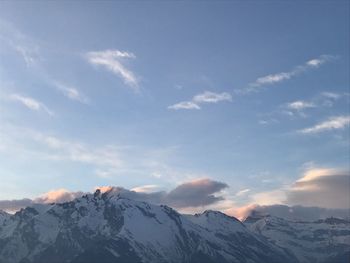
3 217
320 241
107 227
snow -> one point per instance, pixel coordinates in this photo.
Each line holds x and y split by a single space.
217 221
158 233
305 239
3 217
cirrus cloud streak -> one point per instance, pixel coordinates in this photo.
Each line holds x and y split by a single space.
112 60
203 98
333 123
283 76
31 103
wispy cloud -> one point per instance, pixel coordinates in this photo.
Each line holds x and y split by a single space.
304 107
71 92
328 99
333 123
19 42
149 188
203 98
243 192
103 160
28 48
185 105
323 99
38 146
331 95
273 78
29 54
113 61
31 103
297 108
60 149
300 105
282 76
316 62
212 97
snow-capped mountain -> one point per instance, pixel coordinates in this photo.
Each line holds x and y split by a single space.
107 227
110 227
325 240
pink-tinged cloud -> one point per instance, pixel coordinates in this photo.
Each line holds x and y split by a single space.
327 188
57 196
242 212
195 193
54 196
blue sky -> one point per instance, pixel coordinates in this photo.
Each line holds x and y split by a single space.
252 94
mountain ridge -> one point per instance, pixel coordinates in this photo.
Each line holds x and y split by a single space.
323 240
108 227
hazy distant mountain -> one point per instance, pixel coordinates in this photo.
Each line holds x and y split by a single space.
325 240
301 213
108 227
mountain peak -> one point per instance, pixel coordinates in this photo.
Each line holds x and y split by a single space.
113 228
255 215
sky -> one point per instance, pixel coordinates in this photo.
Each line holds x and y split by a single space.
227 104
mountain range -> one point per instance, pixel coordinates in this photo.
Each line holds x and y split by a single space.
106 227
